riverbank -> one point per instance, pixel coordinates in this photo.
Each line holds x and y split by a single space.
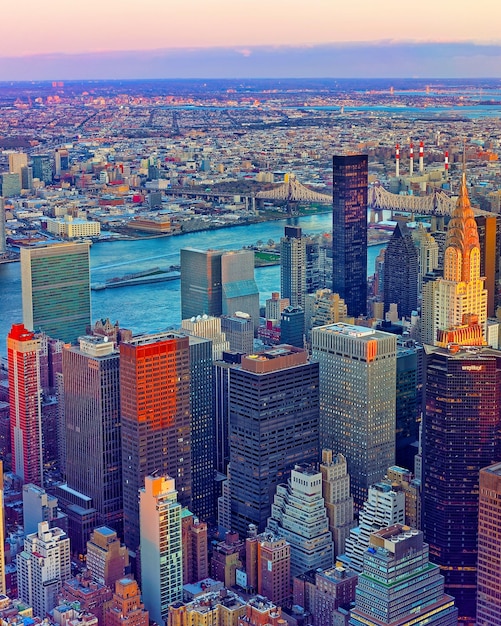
197 225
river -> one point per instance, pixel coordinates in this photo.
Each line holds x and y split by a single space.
145 308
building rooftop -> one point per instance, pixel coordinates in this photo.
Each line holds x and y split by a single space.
350 330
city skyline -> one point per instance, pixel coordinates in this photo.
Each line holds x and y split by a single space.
223 441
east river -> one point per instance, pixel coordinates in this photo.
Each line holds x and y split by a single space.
145 308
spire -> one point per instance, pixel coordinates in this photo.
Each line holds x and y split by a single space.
462 233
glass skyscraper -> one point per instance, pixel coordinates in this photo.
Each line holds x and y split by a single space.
349 231
460 437
56 289
401 272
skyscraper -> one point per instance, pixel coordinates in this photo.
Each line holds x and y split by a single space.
337 497
239 288
293 266
55 283
267 564
201 290
292 326
324 307
408 401
92 417
221 378
42 168
155 412
349 231
195 548
42 568
17 160
11 184
161 546
23 353
357 399
384 507
38 506
298 515
216 283
489 547
401 272
489 236
455 306
106 557
275 305
460 437
239 330
427 253
210 328
398 553
273 426
3 245
3 589
202 429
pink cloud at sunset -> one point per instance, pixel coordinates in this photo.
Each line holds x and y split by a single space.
95 26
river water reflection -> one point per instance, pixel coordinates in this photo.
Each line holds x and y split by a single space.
153 307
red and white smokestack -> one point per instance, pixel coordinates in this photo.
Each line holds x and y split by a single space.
421 157
411 160
397 160
446 163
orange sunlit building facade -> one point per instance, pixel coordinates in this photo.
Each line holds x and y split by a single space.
155 412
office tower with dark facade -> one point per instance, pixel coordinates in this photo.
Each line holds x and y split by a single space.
293 266
155 414
221 385
349 231
408 400
92 417
55 283
292 326
23 355
42 168
460 437
401 272
273 426
489 547
203 429
489 235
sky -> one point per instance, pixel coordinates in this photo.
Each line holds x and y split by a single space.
48 40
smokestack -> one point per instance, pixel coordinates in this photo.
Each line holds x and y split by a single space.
421 157
397 160
411 160
446 163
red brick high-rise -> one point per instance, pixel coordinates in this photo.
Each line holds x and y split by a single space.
23 353
126 607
